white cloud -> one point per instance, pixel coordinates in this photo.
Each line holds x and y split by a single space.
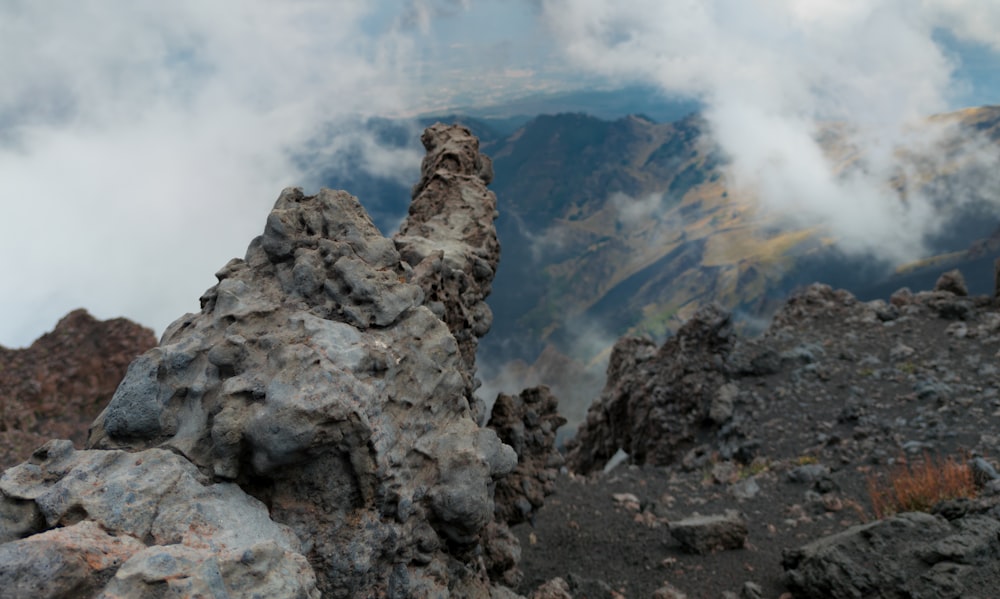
142 144
773 73
974 20
634 212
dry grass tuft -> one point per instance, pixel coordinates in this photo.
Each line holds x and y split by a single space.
919 486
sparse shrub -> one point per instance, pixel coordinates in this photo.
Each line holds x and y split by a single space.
918 487
757 466
908 367
804 460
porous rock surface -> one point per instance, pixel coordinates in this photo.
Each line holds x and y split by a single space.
318 408
449 239
120 524
913 554
56 386
527 422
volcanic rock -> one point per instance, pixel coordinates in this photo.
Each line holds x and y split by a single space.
318 406
557 588
527 422
952 282
449 239
838 401
56 387
668 591
133 522
704 534
656 401
909 555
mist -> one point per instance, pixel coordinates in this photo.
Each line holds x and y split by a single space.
777 76
142 145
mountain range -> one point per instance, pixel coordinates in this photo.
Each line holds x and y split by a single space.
623 226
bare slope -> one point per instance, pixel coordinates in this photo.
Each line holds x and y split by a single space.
786 429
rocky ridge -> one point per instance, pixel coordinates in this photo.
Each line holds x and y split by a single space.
56 387
311 432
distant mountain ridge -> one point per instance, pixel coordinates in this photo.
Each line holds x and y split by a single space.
631 223
628 225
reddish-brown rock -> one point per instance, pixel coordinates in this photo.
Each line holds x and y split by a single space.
528 423
57 386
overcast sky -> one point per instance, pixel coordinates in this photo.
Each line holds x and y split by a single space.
142 143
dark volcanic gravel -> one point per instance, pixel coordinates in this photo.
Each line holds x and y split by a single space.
848 390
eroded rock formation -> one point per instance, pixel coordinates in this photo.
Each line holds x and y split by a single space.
56 387
320 403
118 524
446 239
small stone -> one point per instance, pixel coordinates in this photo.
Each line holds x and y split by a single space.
668 591
704 534
901 352
745 489
724 473
807 473
627 500
557 588
901 297
982 471
958 330
751 590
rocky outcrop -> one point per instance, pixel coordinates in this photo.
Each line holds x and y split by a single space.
953 282
449 239
56 387
692 398
656 402
908 555
527 422
319 401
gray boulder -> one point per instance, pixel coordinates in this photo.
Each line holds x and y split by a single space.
705 534
908 555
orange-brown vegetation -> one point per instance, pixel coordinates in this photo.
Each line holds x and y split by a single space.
918 486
